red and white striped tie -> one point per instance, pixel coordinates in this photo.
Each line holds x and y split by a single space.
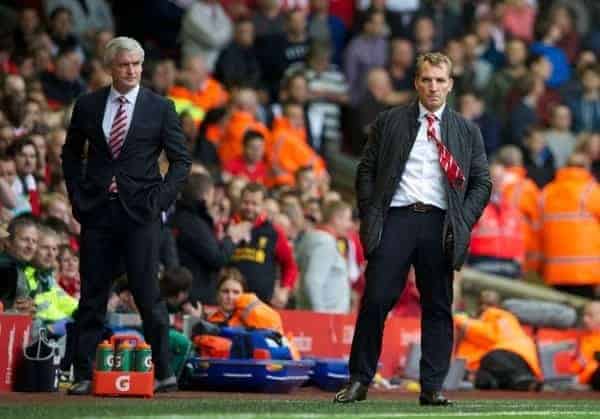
447 162
117 136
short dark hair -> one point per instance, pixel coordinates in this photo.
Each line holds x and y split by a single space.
58 10
20 222
197 184
333 208
18 146
175 280
254 187
250 135
56 224
229 272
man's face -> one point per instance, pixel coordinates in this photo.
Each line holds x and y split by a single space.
26 160
254 150
561 119
375 27
46 255
229 292
62 24
343 222
306 181
251 205
69 264
590 81
59 209
433 83
297 23
516 53
591 317
29 20
126 70
23 245
9 171
299 89
244 34
402 53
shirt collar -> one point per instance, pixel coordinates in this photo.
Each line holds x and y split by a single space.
131 96
423 111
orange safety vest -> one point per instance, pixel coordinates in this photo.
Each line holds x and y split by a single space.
231 145
499 233
250 311
290 152
570 232
524 194
584 363
198 102
212 95
495 329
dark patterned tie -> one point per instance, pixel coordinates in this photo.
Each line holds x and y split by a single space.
117 131
447 162
117 136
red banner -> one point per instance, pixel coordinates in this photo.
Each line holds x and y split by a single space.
330 336
14 333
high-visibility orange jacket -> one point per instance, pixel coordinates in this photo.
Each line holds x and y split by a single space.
198 102
584 363
499 233
495 329
570 228
289 152
524 194
250 311
231 145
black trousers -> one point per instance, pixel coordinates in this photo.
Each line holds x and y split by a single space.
504 370
109 236
408 238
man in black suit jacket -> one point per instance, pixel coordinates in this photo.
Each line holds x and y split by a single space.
421 185
110 162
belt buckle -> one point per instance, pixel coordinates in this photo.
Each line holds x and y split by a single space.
419 207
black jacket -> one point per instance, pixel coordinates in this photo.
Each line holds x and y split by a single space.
144 193
391 138
199 250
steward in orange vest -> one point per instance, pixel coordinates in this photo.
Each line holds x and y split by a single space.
290 150
585 362
523 193
497 348
570 229
249 312
497 244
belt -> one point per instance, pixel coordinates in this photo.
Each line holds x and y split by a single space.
421 207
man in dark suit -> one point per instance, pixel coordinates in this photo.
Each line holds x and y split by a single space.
421 184
110 162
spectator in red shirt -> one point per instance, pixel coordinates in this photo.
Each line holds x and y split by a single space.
251 164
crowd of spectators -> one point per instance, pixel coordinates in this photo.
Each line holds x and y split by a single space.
268 91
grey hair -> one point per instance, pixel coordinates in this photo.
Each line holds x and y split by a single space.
121 43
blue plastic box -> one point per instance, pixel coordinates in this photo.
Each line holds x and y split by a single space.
265 376
329 374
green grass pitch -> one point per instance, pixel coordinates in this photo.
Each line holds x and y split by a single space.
165 408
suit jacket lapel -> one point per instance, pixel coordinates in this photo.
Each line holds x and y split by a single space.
101 98
403 143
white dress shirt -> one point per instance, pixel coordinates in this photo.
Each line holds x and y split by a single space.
112 105
423 177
